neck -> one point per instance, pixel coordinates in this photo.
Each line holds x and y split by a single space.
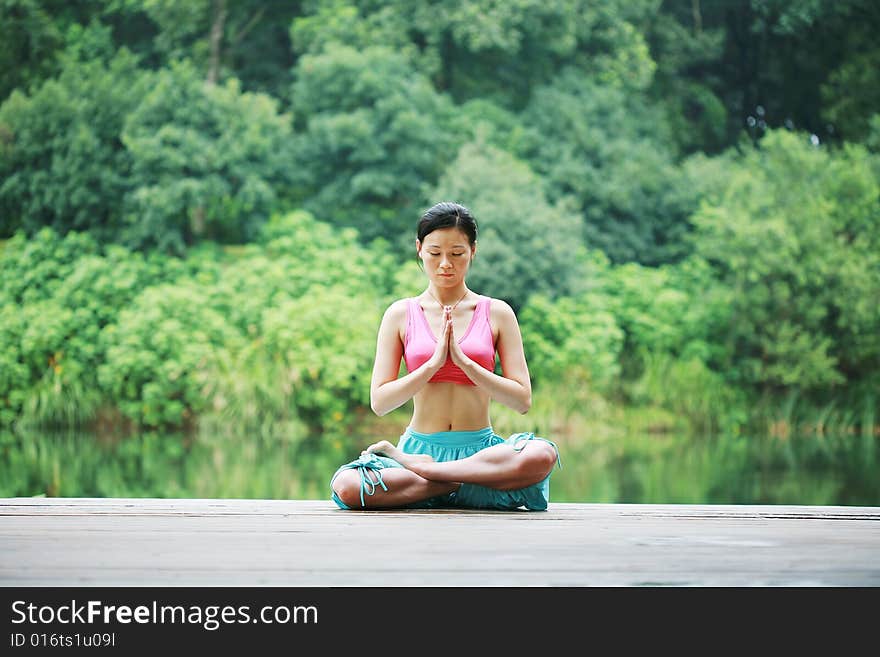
448 296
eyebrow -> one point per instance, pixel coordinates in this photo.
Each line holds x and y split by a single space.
454 246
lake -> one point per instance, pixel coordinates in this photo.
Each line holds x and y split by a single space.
652 469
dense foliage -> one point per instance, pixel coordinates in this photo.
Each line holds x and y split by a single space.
206 206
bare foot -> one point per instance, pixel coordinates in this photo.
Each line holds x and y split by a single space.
385 448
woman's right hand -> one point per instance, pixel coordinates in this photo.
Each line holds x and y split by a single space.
441 351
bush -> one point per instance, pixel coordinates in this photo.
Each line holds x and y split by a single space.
66 291
324 341
791 230
162 354
573 340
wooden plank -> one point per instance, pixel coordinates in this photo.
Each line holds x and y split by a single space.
151 542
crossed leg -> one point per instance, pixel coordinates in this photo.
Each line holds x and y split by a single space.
404 487
500 467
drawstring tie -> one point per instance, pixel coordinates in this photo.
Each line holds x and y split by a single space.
369 463
365 464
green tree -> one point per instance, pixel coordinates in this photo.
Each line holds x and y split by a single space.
308 298
572 341
324 341
672 357
28 40
686 83
792 229
674 309
517 45
149 159
62 164
612 152
493 50
245 39
37 37
526 244
208 161
293 254
851 93
800 64
374 133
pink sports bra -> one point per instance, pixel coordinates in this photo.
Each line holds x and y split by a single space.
477 343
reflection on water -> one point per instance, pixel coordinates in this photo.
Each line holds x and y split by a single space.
725 470
640 469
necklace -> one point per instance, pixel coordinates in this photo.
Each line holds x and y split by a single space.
448 309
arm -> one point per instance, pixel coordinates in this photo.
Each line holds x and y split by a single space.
387 392
514 388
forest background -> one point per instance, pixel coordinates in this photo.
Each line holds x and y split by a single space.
206 205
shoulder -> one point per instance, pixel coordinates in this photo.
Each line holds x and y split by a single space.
397 310
394 320
500 313
399 305
501 309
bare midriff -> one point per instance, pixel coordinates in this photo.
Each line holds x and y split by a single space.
449 407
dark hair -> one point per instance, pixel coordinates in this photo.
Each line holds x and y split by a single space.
448 215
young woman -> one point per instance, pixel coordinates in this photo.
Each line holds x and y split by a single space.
448 336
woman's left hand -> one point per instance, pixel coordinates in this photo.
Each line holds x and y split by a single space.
455 352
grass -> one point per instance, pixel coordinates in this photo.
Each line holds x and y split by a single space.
796 414
52 404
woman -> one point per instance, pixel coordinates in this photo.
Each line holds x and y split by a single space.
449 455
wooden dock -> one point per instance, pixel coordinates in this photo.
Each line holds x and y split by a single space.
198 542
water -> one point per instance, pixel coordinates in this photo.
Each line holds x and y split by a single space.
665 469
840 470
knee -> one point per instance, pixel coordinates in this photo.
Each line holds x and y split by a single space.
540 457
347 486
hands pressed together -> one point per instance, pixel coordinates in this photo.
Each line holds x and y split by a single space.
447 345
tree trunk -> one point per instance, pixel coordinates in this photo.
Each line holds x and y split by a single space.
698 17
216 40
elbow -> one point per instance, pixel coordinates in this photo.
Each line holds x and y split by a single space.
377 408
526 404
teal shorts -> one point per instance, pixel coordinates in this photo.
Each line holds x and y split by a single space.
451 446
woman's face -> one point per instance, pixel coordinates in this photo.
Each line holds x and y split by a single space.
446 254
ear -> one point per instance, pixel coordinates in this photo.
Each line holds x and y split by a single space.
473 251
418 247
